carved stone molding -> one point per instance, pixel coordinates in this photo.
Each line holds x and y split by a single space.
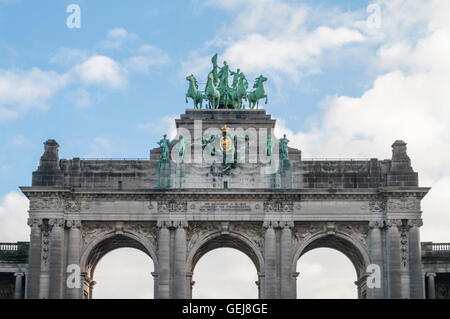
172 206
73 223
376 224
304 230
403 204
377 206
415 222
253 230
52 202
34 222
278 206
394 223
91 230
404 246
197 230
56 222
145 229
72 206
45 253
355 230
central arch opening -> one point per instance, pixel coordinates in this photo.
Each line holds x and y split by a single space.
225 273
224 267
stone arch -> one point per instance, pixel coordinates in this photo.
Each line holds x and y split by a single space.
215 240
106 242
342 242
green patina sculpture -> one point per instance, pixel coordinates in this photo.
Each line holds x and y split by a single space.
220 95
269 145
211 93
164 144
182 147
164 163
284 148
258 93
193 92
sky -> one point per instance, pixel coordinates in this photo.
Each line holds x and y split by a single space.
346 79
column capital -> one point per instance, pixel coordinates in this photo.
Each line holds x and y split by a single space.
286 224
35 222
393 223
415 222
376 224
430 274
172 224
56 222
278 224
71 223
19 273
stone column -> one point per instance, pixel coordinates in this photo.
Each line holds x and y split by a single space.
270 263
18 291
415 260
34 266
376 258
56 257
393 250
180 263
190 283
164 262
73 256
44 280
155 284
286 262
431 285
294 284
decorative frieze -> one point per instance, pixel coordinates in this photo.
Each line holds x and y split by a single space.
404 204
51 202
377 206
172 206
278 206
72 206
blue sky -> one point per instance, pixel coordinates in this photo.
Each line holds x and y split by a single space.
339 84
115 121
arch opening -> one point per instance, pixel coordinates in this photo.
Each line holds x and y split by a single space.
119 266
221 269
326 273
333 263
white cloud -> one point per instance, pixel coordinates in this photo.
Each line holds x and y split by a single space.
165 125
117 37
148 56
69 56
80 98
408 101
22 90
103 71
13 218
275 38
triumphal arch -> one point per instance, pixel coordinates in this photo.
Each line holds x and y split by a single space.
225 180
